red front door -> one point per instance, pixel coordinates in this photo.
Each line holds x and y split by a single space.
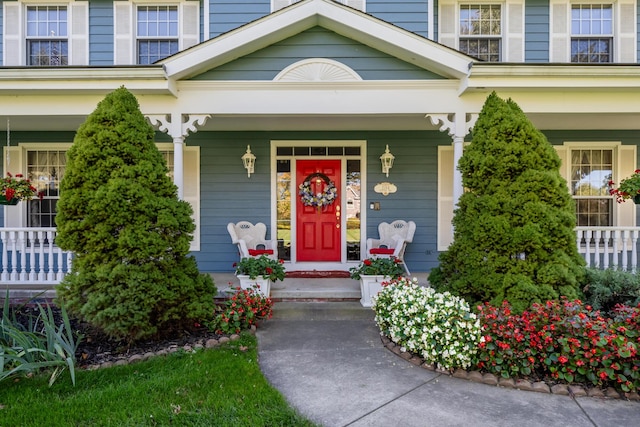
318 227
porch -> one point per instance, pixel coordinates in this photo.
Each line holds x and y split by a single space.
32 261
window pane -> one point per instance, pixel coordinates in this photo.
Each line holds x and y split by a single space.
157 31
591 170
283 209
352 196
45 169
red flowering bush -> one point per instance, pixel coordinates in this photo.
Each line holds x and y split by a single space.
243 309
563 340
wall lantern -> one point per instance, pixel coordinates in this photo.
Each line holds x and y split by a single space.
387 161
249 160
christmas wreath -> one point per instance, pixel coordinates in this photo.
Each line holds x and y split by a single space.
309 197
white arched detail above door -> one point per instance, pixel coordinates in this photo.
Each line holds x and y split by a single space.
318 70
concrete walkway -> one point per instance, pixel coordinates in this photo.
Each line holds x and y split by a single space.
329 363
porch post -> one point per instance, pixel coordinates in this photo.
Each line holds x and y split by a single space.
178 126
178 165
458 147
457 125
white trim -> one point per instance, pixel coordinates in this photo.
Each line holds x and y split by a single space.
317 69
345 21
343 264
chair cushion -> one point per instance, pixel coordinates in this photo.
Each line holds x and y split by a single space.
381 251
255 252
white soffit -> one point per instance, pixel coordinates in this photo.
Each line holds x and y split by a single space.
307 14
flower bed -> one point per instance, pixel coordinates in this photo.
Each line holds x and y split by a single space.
438 327
557 342
564 341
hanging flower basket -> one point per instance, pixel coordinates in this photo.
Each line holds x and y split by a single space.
14 201
14 189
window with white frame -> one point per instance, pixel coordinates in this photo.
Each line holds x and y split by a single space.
481 31
45 169
157 33
47 36
591 171
591 33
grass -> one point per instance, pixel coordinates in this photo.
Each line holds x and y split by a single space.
219 387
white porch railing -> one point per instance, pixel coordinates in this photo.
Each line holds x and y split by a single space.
30 257
609 247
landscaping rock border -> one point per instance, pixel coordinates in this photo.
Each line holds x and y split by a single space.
520 384
139 357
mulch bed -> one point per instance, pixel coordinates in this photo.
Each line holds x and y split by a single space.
96 348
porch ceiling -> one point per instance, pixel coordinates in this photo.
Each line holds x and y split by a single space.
551 121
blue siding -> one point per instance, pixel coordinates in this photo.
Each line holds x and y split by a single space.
536 35
101 32
411 15
317 43
225 15
227 195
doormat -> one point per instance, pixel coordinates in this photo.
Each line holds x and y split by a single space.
315 274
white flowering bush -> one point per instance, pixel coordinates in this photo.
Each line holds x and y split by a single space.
437 326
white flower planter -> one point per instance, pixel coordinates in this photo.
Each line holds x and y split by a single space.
370 286
247 283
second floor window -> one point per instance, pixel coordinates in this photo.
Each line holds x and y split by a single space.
591 33
157 33
481 31
47 40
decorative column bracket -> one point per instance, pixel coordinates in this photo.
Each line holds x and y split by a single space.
187 124
450 123
178 127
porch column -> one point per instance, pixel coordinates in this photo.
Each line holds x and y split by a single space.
178 165
178 126
457 125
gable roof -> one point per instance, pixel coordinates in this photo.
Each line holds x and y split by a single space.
304 15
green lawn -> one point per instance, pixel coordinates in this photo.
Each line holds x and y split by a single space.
218 387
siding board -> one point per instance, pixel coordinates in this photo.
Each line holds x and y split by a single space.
265 64
536 34
101 32
411 15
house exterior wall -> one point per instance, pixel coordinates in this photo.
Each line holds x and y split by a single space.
536 42
225 15
101 32
369 63
410 15
227 194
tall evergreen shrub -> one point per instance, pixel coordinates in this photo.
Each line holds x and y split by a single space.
514 236
120 215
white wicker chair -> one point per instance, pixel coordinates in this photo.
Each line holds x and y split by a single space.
393 240
251 240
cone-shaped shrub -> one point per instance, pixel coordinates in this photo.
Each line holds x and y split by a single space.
120 215
513 236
